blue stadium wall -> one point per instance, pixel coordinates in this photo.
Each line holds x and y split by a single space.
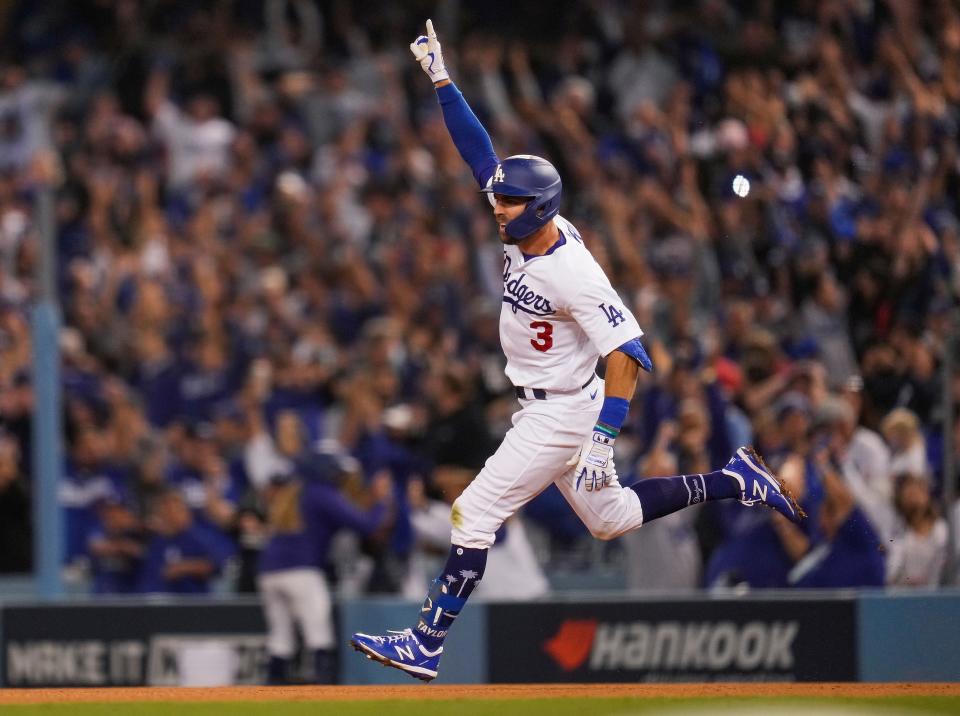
845 636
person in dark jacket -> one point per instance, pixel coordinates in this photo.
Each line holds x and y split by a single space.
16 534
850 553
179 558
115 548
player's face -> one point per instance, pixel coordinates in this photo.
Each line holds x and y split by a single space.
505 210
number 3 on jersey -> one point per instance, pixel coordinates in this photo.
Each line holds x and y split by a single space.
544 340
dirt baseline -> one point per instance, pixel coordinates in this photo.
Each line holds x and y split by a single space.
473 691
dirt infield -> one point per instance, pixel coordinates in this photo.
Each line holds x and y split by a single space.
472 691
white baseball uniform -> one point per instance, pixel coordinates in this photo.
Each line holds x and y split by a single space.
294 597
559 315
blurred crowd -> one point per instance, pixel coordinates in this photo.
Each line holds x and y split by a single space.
269 249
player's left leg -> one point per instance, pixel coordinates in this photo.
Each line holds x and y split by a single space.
613 510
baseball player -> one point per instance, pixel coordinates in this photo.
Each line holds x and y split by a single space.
559 315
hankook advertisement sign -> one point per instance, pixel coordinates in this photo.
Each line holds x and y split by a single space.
712 640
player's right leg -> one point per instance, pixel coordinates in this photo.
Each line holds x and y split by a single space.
534 451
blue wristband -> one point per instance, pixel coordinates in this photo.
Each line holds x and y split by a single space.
612 415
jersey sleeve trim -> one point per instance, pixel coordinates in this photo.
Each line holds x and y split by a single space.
634 348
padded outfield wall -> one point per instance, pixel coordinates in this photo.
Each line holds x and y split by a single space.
774 637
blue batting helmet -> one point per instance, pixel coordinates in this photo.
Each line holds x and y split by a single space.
525 175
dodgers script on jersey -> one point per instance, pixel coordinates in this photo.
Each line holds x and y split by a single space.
559 314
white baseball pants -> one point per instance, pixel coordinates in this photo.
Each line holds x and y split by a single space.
294 597
534 453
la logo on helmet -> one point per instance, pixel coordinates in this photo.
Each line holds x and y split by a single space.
498 175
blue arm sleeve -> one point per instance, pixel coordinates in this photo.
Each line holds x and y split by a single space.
469 136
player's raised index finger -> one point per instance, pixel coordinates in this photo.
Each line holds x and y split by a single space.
431 33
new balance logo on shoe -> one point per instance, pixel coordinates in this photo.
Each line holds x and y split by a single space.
404 652
760 490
